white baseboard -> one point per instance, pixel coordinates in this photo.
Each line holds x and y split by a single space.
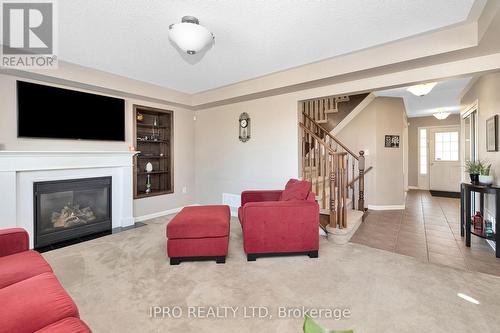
413 187
160 214
386 207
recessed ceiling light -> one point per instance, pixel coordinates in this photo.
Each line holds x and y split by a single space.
422 89
190 36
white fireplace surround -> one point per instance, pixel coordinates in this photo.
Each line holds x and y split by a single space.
19 170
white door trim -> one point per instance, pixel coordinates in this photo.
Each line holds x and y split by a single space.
423 182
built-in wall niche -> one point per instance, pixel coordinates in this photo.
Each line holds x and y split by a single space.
153 166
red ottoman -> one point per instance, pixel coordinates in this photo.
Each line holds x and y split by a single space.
199 233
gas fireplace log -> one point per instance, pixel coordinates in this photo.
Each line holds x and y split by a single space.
72 215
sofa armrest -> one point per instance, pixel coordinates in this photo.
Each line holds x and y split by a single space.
13 240
260 196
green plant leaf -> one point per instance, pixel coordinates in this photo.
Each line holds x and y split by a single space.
310 326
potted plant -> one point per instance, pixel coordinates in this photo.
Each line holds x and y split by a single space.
473 169
484 174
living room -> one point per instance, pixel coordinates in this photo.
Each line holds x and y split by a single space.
210 174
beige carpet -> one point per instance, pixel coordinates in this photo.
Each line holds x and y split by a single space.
116 279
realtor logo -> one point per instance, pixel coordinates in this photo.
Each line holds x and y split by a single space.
28 34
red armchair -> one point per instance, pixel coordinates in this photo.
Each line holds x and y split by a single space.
273 227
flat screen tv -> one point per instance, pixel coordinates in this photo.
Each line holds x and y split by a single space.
50 112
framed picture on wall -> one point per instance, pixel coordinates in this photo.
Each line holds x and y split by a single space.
492 133
391 141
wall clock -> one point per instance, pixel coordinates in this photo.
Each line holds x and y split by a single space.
244 124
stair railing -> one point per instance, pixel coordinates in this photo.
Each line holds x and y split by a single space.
327 172
355 168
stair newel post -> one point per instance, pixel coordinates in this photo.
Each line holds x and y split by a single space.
345 170
338 185
361 166
353 192
333 193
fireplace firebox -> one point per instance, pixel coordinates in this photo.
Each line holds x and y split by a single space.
67 210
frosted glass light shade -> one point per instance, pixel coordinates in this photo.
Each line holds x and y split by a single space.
441 115
190 36
422 89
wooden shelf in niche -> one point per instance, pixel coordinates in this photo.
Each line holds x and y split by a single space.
154 137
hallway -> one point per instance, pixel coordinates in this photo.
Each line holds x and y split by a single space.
428 230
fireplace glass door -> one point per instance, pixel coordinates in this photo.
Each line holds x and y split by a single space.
69 209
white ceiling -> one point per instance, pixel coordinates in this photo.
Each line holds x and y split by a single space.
253 37
444 97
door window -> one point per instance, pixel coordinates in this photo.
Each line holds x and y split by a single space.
423 151
446 146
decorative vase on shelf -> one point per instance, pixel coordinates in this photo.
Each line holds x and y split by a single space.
478 222
149 167
488 229
486 180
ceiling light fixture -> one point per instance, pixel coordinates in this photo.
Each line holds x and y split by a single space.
190 36
422 89
441 115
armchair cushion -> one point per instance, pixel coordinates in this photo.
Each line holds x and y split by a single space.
296 190
13 240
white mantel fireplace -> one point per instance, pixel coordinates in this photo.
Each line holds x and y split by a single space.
20 170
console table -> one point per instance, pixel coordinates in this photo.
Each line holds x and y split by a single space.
466 189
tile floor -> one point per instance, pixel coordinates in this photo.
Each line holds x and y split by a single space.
429 230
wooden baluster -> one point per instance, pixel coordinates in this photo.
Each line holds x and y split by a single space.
321 110
348 173
308 156
303 154
303 145
313 107
327 179
353 175
325 175
361 184
316 165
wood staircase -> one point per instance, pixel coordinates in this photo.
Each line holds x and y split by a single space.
336 173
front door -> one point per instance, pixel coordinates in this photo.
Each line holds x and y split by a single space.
445 167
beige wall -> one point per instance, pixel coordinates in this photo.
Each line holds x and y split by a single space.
414 124
183 149
271 157
266 161
389 173
486 91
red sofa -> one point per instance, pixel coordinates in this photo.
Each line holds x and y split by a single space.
274 225
31 297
